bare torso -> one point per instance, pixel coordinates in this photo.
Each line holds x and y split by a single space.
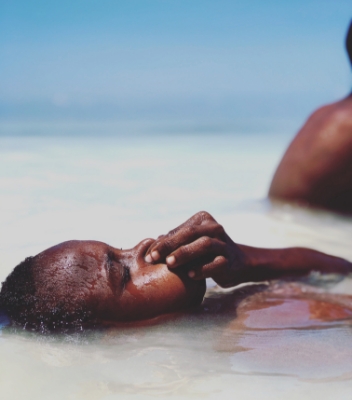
317 167
280 306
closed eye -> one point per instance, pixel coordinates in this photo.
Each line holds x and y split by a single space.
109 263
118 274
126 276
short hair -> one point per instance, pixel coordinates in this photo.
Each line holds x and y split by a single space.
349 42
35 309
17 294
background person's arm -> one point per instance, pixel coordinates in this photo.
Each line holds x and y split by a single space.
202 246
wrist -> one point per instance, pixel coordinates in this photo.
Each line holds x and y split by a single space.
257 264
236 270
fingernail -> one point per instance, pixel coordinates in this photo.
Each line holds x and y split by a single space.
155 255
191 274
170 260
148 258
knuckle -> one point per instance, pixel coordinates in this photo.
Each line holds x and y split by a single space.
205 216
219 229
190 230
221 261
166 245
182 252
206 242
172 232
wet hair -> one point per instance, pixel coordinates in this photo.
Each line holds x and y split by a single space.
34 308
349 42
17 294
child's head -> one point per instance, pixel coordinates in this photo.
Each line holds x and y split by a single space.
88 281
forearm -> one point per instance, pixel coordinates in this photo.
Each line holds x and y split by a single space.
202 245
262 264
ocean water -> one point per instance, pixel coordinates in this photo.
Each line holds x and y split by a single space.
121 189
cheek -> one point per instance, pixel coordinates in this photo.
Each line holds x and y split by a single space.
156 282
157 278
156 290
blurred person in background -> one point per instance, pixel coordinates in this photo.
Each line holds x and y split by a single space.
316 169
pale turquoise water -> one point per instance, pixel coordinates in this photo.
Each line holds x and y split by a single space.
123 189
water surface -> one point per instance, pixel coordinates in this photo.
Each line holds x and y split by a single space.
123 189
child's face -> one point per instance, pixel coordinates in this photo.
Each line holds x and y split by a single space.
116 284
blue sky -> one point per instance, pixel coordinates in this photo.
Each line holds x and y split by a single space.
171 59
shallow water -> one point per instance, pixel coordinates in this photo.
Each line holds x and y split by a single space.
123 189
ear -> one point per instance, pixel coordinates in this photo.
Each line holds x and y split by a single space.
349 42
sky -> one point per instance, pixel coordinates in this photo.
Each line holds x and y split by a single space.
203 59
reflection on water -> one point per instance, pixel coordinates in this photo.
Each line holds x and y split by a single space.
293 330
253 339
288 339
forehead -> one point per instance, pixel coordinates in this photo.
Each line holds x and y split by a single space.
74 269
73 256
76 248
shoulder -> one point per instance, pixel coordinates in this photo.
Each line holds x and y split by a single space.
330 125
337 114
322 148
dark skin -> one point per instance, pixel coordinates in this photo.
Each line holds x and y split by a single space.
203 245
316 169
162 276
117 285
317 166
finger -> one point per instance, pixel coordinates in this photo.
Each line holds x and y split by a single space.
201 224
200 218
166 245
142 247
201 247
147 256
197 219
191 221
153 253
210 270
